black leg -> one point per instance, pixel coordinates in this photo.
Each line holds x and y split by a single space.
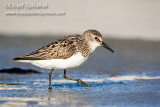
50 74
78 80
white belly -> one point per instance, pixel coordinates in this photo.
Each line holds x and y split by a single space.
71 62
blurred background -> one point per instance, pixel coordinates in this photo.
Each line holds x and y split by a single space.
124 19
129 77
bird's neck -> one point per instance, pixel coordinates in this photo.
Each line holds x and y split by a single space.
93 46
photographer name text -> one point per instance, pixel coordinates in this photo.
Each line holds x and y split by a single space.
26 6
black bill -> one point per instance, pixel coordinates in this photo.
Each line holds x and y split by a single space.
107 47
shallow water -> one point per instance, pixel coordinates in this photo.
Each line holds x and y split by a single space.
129 77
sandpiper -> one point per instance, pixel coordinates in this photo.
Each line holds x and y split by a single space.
67 52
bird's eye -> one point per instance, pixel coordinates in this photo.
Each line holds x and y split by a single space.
96 38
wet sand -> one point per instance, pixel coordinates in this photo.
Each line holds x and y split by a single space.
129 77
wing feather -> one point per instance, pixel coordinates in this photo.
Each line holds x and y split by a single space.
60 49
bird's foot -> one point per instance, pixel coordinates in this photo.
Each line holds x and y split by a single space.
82 82
50 87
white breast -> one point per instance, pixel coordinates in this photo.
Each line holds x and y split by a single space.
73 61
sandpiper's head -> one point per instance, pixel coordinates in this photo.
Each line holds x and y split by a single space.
95 39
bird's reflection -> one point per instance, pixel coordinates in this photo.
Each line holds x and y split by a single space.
50 95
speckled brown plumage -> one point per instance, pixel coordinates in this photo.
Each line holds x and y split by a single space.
60 49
